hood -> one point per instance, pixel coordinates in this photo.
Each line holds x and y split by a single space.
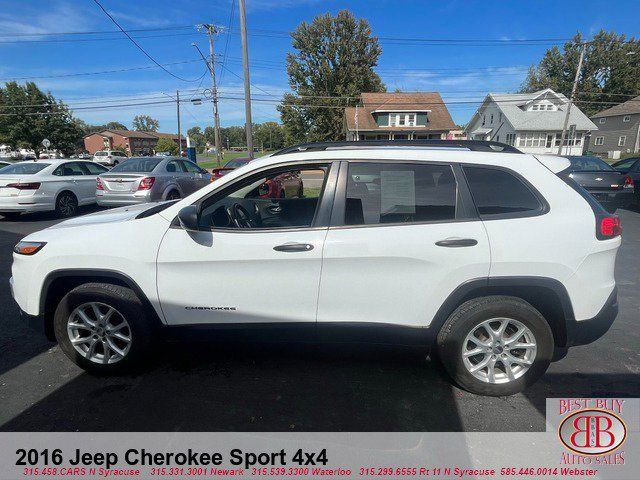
120 214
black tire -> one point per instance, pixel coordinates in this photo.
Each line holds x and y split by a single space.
66 205
11 216
467 317
128 305
173 195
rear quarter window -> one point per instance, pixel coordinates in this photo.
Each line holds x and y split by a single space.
497 192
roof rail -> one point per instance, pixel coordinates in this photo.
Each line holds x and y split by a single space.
472 145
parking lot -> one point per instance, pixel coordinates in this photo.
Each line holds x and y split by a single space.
209 387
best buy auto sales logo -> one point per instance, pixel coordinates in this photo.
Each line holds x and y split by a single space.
592 431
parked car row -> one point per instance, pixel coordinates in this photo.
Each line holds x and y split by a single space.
64 185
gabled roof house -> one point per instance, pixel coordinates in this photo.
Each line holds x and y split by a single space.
532 122
398 116
618 129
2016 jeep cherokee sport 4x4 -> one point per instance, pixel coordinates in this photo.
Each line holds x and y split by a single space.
489 257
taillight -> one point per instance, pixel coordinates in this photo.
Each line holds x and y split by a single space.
146 183
24 186
628 182
99 185
608 227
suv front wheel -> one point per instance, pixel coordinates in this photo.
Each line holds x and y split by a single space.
103 328
495 345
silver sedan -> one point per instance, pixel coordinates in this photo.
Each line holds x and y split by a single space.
149 179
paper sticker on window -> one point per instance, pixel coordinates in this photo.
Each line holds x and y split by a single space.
398 192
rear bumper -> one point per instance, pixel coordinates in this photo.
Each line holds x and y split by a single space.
26 203
611 200
583 332
119 200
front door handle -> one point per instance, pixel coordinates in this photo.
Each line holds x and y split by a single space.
294 247
457 242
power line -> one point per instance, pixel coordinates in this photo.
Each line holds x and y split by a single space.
94 32
142 49
254 86
110 39
300 105
78 74
226 44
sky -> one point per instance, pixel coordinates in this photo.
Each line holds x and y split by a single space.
460 72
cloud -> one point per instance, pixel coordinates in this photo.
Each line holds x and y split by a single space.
59 16
261 5
140 19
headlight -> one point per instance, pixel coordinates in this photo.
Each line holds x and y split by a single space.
28 248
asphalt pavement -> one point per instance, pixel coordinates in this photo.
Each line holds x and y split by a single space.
212 387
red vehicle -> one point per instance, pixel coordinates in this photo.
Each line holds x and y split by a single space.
286 185
232 164
283 186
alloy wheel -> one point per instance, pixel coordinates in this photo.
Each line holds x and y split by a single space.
66 205
499 350
99 332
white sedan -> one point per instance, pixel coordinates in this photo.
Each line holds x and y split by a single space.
45 185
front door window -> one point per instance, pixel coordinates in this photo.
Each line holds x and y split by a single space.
280 198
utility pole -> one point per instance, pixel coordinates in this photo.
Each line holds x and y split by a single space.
179 129
573 94
247 83
211 31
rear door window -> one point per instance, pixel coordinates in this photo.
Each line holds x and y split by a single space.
93 168
70 169
385 193
174 167
498 192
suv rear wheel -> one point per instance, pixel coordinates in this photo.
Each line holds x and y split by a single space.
495 345
103 328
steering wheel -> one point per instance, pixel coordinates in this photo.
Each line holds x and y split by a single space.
241 217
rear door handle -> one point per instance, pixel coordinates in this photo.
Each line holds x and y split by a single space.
457 242
294 247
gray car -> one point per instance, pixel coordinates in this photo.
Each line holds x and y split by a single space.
149 179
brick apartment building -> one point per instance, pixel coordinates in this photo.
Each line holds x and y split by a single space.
131 141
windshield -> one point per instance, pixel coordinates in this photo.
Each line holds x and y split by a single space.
137 165
589 164
23 168
237 162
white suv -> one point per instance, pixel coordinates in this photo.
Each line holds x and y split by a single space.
109 158
490 258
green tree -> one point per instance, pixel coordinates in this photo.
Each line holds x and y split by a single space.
31 115
268 136
167 145
198 139
144 123
610 72
232 137
334 57
115 126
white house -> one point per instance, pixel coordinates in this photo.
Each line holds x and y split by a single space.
532 122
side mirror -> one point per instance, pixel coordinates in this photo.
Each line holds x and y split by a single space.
188 218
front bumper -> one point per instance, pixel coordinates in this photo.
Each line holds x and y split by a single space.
583 332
